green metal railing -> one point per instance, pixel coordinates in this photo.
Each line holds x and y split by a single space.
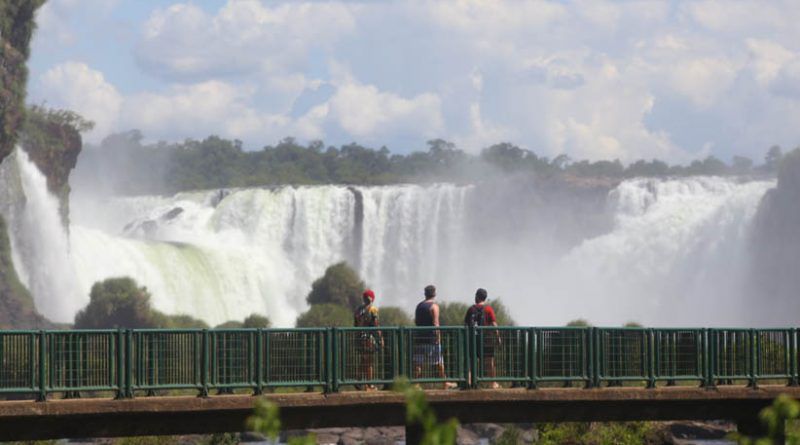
128 363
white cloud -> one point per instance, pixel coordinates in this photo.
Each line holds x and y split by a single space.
365 112
184 42
76 86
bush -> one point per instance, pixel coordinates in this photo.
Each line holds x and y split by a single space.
116 303
394 316
325 315
121 303
254 321
340 285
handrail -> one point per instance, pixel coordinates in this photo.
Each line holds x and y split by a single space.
128 362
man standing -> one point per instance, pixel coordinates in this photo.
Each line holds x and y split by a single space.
481 314
366 316
428 343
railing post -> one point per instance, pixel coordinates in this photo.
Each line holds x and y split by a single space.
120 364
588 345
755 348
42 366
402 353
651 358
332 343
204 354
708 355
259 368
532 349
793 381
129 363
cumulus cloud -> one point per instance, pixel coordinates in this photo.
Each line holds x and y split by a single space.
76 86
184 42
594 79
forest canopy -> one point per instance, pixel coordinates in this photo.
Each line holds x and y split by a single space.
123 164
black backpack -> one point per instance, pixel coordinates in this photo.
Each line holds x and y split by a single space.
475 316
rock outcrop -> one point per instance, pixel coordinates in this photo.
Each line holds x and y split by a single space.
16 28
776 240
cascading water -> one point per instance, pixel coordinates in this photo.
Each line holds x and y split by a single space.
673 251
38 239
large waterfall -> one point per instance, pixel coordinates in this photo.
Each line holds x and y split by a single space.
657 251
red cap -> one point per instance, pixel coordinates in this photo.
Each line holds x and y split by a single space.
369 294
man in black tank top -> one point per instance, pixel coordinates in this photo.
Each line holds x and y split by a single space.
428 343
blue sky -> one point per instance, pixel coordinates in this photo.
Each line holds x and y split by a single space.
592 79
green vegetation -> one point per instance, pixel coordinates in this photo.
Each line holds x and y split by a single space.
253 321
266 419
129 167
17 309
121 303
419 412
394 316
325 315
579 323
780 420
618 433
339 285
16 29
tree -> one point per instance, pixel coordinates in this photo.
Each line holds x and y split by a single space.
579 323
452 313
502 313
394 316
121 303
340 285
773 158
255 321
325 315
116 303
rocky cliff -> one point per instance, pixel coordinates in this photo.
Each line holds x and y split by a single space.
776 242
16 28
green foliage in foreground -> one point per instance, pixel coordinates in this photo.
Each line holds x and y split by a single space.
418 411
266 420
618 433
779 420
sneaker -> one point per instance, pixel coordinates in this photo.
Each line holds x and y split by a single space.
450 385
494 385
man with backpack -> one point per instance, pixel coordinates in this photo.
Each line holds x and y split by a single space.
481 314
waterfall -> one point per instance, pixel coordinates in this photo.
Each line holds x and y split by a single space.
658 251
38 239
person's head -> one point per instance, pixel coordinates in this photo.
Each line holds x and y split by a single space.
481 295
368 296
430 291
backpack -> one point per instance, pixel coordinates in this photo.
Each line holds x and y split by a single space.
475 316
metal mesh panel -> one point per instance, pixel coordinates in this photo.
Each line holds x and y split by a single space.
367 355
623 353
501 353
773 353
19 361
678 353
232 358
82 360
732 352
165 359
561 353
431 348
293 357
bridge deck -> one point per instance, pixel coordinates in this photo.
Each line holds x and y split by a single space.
76 418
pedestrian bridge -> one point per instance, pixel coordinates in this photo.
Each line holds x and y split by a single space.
134 382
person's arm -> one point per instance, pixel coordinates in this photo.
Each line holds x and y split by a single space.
493 321
435 314
377 323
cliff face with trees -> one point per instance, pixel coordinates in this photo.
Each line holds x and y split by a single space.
16 28
776 243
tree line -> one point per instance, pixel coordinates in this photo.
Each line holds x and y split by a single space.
125 165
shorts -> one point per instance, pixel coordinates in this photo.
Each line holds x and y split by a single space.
428 354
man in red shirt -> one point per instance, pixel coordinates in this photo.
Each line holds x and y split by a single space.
481 314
